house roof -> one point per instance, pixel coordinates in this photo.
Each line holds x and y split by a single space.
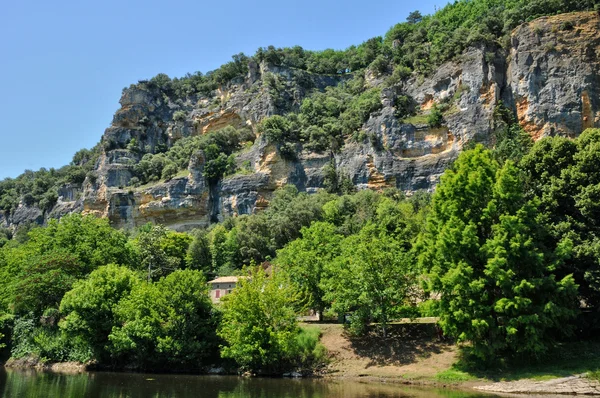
226 279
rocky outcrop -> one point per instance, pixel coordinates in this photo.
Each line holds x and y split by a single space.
548 76
553 74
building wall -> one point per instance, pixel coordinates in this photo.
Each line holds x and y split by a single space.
223 289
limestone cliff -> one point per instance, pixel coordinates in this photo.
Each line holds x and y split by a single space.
548 75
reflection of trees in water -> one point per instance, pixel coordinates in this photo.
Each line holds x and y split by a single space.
31 384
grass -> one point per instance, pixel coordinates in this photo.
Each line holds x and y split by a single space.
416 120
454 376
594 375
182 173
566 360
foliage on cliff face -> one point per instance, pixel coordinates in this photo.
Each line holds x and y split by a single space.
324 119
41 187
216 148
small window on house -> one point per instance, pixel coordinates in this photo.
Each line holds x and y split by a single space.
228 291
217 286
229 285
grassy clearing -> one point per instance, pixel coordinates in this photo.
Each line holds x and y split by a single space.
416 120
413 351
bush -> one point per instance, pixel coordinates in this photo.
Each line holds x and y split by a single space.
405 107
379 66
567 25
309 351
169 171
276 128
179 116
400 73
435 118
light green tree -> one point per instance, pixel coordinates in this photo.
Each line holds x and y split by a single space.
259 323
305 261
89 308
372 277
168 324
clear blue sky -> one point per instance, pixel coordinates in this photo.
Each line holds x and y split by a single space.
64 63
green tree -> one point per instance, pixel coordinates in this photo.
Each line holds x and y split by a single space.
372 278
414 17
485 258
305 261
198 255
223 248
169 171
90 239
160 251
89 308
276 128
564 176
43 281
168 324
259 323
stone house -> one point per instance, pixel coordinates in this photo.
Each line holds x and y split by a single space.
221 287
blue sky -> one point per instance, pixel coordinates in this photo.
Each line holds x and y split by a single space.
63 64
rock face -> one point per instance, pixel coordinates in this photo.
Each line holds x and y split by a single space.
548 76
553 74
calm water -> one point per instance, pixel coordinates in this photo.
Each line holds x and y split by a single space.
30 384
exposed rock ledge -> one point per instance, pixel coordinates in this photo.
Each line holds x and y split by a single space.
572 385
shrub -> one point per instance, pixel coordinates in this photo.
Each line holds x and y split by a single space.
309 351
179 116
567 25
405 106
435 118
275 128
379 66
400 73
169 171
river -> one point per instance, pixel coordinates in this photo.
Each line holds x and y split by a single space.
31 384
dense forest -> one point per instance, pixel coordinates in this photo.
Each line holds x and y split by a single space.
505 252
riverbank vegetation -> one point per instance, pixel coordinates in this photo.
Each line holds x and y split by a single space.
505 253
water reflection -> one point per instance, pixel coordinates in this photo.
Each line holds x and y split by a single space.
32 384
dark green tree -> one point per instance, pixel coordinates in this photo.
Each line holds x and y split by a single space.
485 257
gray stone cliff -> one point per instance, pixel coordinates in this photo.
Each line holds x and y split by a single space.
549 77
